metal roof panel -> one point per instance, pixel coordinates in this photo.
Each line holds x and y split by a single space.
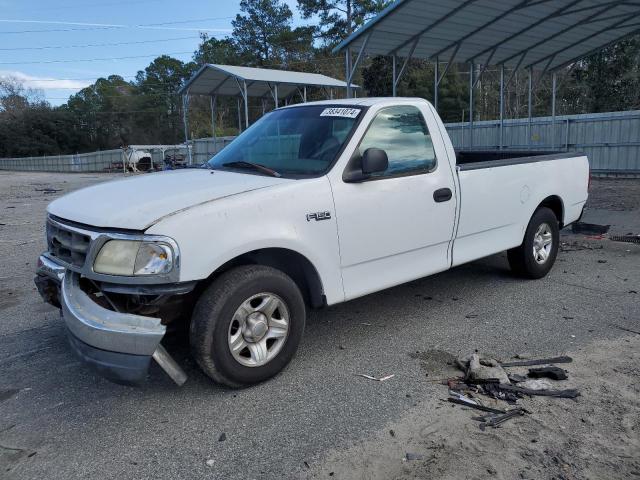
570 28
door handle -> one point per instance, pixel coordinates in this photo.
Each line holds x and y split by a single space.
442 195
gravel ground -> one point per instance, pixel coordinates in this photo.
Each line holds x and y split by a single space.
59 420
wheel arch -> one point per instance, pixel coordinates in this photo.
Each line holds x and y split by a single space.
556 205
292 263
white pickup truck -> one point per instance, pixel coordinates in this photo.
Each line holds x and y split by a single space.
314 205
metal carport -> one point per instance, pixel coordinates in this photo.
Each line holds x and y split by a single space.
245 82
540 35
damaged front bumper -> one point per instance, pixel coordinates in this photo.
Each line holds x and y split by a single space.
118 345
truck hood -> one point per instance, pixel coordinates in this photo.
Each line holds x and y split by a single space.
138 202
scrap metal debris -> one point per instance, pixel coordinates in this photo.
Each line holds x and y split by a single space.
486 376
413 456
48 190
624 329
629 238
381 379
469 402
542 361
555 373
568 393
576 247
494 419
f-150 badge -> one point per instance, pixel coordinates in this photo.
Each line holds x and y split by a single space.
317 216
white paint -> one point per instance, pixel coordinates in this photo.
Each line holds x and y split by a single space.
381 233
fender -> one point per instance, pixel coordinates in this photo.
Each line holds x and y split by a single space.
215 233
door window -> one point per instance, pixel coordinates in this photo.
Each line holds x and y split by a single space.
401 132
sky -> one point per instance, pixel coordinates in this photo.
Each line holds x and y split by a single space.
61 46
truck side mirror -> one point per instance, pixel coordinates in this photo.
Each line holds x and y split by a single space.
374 160
360 167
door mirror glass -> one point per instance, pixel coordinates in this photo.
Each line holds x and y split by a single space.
374 160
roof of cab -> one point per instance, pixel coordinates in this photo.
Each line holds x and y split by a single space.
365 102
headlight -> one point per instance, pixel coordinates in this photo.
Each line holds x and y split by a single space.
129 257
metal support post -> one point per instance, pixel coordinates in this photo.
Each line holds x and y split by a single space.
501 106
246 104
185 120
304 93
348 69
214 111
553 110
239 117
351 65
530 108
393 75
213 115
471 72
436 83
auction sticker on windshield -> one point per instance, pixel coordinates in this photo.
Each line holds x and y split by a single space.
340 112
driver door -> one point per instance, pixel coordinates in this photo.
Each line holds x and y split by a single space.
391 227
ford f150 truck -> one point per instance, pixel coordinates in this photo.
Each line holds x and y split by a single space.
313 205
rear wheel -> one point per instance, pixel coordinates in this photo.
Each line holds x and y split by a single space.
537 254
247 325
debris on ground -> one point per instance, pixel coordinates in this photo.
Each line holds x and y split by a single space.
568 393
463 399
624 329
628 238
555 373
578 246
485 376
495 419
413 456
537 384
482 368
541 361
381 379
48 190
589 228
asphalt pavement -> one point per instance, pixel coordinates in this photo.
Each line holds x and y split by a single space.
60 420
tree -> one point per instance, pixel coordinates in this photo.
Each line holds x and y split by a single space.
157 101
28 124
339 17
103 111
218 51
14 96
606 81
260 30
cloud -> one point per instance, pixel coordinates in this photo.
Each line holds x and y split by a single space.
45 83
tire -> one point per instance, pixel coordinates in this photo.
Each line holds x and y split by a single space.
534 258
236 308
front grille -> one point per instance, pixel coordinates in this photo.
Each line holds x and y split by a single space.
67 245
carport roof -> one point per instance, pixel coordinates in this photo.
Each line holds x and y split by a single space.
540 34
223 80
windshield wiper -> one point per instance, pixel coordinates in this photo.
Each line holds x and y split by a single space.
254 166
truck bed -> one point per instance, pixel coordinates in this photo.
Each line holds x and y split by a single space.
476 159
496 203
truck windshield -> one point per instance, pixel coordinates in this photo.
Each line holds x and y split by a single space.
292 141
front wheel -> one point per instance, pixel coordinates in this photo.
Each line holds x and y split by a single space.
247 325
537 254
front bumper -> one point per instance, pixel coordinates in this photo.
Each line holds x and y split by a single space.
118 345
